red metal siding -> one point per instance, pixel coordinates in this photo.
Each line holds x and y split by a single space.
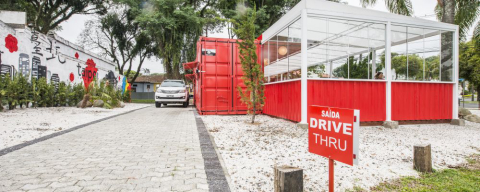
220 74
366 96
421 101
283 100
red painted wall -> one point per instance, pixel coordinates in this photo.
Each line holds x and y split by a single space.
283 100
421 101
367 96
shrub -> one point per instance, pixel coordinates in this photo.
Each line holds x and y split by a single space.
12 92
3 83
62 94
23 89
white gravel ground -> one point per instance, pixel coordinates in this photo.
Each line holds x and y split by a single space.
22 125
251 151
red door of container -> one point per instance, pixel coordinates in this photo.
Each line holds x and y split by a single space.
216 89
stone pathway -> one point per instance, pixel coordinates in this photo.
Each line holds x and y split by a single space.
146 150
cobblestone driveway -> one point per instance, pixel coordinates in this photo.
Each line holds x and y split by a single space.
147 150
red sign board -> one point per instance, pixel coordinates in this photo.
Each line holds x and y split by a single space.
333 133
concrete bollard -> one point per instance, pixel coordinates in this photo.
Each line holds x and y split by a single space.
288 179
422 158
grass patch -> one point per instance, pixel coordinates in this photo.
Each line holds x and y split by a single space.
465 178
143 100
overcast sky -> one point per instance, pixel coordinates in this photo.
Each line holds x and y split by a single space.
74 26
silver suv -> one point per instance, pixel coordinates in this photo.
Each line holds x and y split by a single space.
171 92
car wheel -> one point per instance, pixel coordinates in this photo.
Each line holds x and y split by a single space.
164 104
157 105
185 104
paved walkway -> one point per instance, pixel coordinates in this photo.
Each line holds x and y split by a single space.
147 150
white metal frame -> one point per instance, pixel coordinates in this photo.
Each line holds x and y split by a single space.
321 8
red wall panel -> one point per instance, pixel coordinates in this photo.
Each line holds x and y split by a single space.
421 101
367 96
283 100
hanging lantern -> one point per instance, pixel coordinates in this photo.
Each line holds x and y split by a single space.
282 50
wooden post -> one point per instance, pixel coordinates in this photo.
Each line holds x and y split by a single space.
288 179
422 158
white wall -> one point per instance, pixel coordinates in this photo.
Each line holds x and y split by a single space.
54 53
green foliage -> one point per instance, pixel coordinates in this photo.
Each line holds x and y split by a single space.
131 74
447 180
253 79
175 26
48 15
110 96
77 94
143 100
3 91
23 85
127 96
62 94
267 11
469 63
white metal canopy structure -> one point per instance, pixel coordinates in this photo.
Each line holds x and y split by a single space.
325 40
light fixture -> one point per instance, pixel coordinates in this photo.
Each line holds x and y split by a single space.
265 62
282 50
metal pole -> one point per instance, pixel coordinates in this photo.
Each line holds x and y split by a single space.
331 175
388 71
304 64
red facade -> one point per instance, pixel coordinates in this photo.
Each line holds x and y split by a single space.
421 101
366 96
218 73
283 100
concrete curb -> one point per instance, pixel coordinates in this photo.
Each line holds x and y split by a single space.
214 165
46 137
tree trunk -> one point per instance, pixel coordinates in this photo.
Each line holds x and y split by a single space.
446 61
472 90
478 91
254 103
168 68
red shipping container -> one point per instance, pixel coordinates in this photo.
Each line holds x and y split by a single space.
217 74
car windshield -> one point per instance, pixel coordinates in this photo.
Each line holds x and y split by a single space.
172 84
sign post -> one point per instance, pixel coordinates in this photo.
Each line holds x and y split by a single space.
333 133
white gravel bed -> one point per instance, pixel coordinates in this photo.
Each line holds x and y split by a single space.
251 151
22 125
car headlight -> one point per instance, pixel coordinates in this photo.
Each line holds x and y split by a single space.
182 91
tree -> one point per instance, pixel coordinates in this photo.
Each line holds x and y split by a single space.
469 63
117 35
268 12
48 15
175 26
253 97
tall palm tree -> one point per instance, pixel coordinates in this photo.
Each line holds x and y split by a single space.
463 13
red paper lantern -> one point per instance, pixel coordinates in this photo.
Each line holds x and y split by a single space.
76 55
72 77
11 43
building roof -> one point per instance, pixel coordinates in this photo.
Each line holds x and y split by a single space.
149 79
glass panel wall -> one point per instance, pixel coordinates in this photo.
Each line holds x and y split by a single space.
421 54
283 55
344 49
352 49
